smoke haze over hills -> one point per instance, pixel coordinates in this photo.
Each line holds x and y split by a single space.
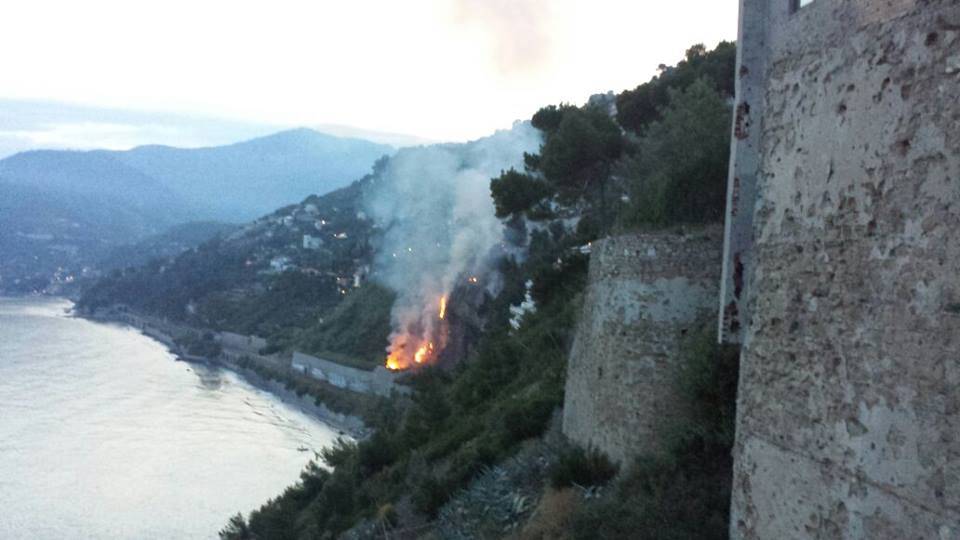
439 223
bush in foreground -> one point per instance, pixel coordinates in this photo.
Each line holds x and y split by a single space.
583 468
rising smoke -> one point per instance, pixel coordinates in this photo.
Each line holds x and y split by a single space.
434 205
519 31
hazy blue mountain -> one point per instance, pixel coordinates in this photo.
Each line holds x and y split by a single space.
50 235
168 185
97 183
62 126
241 181
63 210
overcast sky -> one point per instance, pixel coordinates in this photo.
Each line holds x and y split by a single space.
437 69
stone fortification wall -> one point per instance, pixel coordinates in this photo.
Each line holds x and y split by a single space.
644 292
848 423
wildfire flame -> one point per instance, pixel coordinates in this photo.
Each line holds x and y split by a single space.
393 363
423 352
395 360
419 343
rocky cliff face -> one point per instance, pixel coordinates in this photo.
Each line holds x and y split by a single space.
645 292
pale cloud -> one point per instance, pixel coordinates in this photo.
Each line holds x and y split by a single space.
440 69
91 135
26 125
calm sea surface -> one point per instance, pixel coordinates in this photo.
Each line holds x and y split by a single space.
104 435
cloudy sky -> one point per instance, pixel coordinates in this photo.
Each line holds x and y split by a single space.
195 72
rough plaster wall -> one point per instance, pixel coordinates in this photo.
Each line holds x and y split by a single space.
644 291
848 406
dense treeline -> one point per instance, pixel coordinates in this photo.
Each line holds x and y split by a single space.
679 169
638 108
660 160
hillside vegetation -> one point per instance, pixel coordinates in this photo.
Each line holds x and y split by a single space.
476 444
260 279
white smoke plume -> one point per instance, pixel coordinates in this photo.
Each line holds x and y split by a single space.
520 31
434 205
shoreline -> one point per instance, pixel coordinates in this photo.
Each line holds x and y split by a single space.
152 439
344 424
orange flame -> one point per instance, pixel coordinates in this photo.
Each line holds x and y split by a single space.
393 363
420 342
420 354
398 360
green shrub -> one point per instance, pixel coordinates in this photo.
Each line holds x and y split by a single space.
339 454
580 467
662 498
515 192
524 418
377 452
706 382
470 460
430 494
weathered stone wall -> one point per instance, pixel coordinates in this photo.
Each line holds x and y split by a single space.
848 422
644 292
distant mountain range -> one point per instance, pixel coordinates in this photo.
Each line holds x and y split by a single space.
242 181
233 183
62 209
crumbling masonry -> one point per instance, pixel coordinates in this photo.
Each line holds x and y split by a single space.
848 278
644 292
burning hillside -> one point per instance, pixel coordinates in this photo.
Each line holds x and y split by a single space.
418 345
434 206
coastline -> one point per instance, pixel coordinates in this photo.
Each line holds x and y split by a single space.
345 424
152 446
